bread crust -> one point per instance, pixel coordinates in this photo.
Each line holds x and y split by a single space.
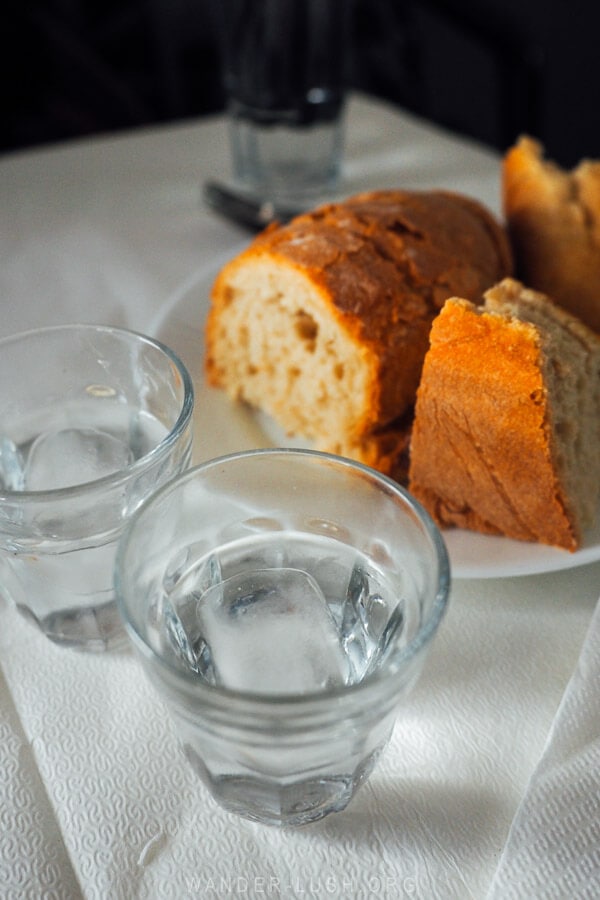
485 452
553 219
380 266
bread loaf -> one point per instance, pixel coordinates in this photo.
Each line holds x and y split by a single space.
324 323
553 218
506 433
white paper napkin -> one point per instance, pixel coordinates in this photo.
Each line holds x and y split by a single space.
32 854
123 816
553 849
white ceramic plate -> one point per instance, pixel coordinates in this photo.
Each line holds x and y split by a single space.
221 426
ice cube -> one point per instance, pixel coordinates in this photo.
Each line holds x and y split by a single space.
270 632
358 648
12 476
185 639
70 456
183 591
368 625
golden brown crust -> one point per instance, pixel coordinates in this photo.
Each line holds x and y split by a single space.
485 447
553 218
383 263
387 449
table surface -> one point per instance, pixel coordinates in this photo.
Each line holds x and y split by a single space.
95 799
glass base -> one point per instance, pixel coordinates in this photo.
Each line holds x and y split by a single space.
94 630
282 803
283 163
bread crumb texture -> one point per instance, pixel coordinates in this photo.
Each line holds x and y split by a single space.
324 323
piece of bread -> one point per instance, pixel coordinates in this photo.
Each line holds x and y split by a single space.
324 323
506 433
553 219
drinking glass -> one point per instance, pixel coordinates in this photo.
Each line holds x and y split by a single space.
284 65
282 602
92 419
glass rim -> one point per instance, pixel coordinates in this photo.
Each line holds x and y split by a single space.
259 701
113 479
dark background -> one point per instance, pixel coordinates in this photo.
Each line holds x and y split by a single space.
491 69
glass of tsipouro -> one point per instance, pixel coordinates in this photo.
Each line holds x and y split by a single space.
282 603
92 420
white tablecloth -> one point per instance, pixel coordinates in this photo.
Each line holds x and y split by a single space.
95 799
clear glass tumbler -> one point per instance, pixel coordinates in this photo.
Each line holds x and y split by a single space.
282 603
284 66
92 420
